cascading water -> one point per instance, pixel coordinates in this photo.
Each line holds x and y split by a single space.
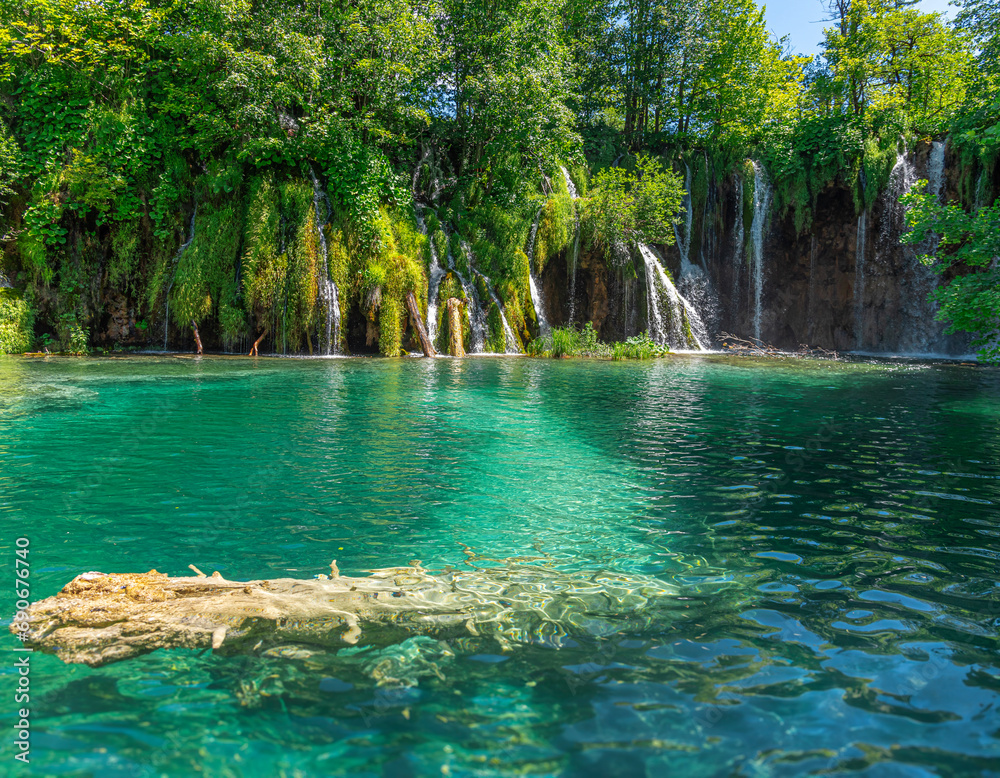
570 186
935 169
915 328
533 284
170 286
673 321
739 237
477 314
859 280
329 296
575 261
510 341
684 243
763 194
982 191
694 283
811 297
437 274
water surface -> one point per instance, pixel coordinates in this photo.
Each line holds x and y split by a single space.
832 530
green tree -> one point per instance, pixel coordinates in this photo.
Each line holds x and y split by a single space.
967 248
887 56
640 206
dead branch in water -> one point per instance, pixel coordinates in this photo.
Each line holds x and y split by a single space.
755 347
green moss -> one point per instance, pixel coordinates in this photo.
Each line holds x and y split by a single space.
124 265
17 323
390 328
263 270
459 255
556 229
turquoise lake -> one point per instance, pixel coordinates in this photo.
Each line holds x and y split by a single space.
832 530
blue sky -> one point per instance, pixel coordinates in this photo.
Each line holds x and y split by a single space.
803 20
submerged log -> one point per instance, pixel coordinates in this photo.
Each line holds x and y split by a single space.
418 325
98 618
456 349
197 336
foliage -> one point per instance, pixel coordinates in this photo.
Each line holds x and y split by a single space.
639 206
640 346
969 246
119 120
16 323
571 342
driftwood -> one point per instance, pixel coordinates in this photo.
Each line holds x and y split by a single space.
197 336
98 618
256 343
456 349
418 325
751 346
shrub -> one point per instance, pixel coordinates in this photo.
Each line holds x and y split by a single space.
16 323
638 347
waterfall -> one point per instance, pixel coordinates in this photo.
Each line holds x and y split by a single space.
570 186
935 169
982 191
177 258
811 296
510 340
859 280
575 261
917 330
329 296
739 237
672 320
694 283
416 170
762 196
434 283
477 315
684 246
533 284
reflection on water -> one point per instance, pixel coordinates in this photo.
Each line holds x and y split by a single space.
830 533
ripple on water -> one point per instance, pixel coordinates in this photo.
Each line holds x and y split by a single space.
827 535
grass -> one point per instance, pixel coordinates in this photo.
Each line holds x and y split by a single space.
571 342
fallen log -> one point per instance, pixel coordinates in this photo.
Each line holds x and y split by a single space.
99 618
456 349
418 325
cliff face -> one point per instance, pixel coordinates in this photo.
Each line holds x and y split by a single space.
613 298
844 284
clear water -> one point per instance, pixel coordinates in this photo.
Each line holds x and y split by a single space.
833 530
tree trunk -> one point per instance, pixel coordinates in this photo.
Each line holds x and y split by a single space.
197 337
456 349
418 325
256 343
98 619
